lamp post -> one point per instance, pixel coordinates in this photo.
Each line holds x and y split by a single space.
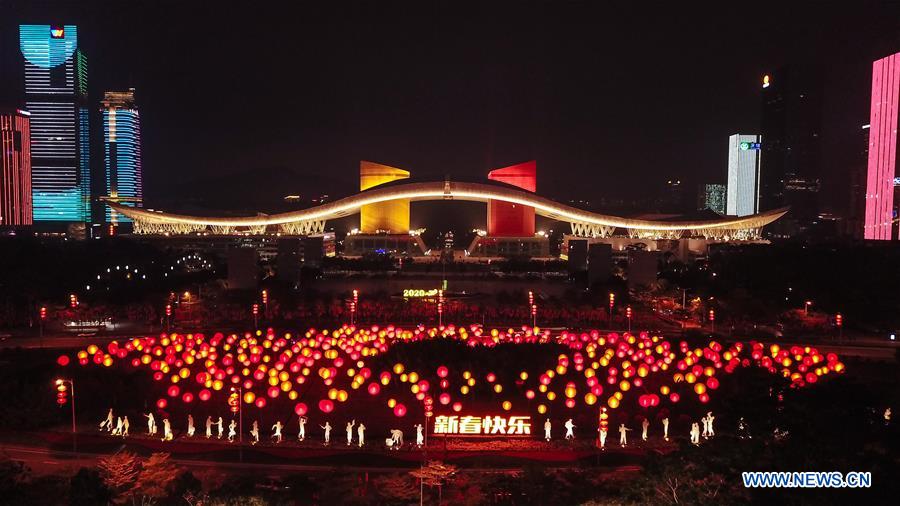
239 408
255 311
43 316
354 302
839 321
265 301
440 308
806 307
168 317
628 316
712 320
533 315
612 302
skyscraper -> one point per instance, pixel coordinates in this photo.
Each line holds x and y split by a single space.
122 151
743 175
15 168
512 220
56 97
791 128
881 208
712 197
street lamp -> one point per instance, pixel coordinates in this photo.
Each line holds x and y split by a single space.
440 308
806 307
235 403
533 315
612 302
628 316
255 311
62 398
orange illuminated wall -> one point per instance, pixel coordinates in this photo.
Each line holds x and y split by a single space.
505 219
392 216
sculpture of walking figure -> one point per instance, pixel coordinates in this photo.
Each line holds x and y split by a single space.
420 435
603 433
108 422
221 427
361 432
118 430
350 432
695 433
623 435
151 424
570 429
302 434
125 425
209 425
191 429
547 428
644 426
232 432
709 423
666 428
705 423
327 428
254 432
167 430
277 434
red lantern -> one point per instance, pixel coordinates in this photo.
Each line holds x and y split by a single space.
326 406
300 409
173 391
187 397
374 388
442 371
162 403
63 360
399 410
204 395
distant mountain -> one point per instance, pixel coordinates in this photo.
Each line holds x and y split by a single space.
254 190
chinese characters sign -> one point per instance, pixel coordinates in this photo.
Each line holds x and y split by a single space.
483 425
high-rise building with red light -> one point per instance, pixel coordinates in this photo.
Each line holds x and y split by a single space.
881 210
505 219
15 168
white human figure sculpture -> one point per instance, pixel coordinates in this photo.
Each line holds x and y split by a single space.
167 430
301 435
232 432
644 426
709 423
695 433
151 424
221 427
705 423
396 437
603 433
118 430
420 435
570 429
125 425
107 422
209 425
254 432
191 429
361 431
887 416
327 428
547 429
665 422
623 435
350 432
277 434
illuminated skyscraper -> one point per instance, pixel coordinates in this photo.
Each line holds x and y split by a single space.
56 97
15 168
881 209
743 175
122 151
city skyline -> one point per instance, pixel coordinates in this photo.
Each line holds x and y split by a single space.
570 127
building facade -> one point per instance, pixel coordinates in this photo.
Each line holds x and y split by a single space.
122 151
881 173
791 126
742 196
505 219
15 169
56 97
712 197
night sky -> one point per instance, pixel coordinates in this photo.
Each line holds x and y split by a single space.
609 99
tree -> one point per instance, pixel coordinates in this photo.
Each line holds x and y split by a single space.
156 477
87 488
396 488
434 474
119 473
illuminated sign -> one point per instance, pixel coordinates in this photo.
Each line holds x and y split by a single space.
483 425
746 146
57 32
411 292
766 81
